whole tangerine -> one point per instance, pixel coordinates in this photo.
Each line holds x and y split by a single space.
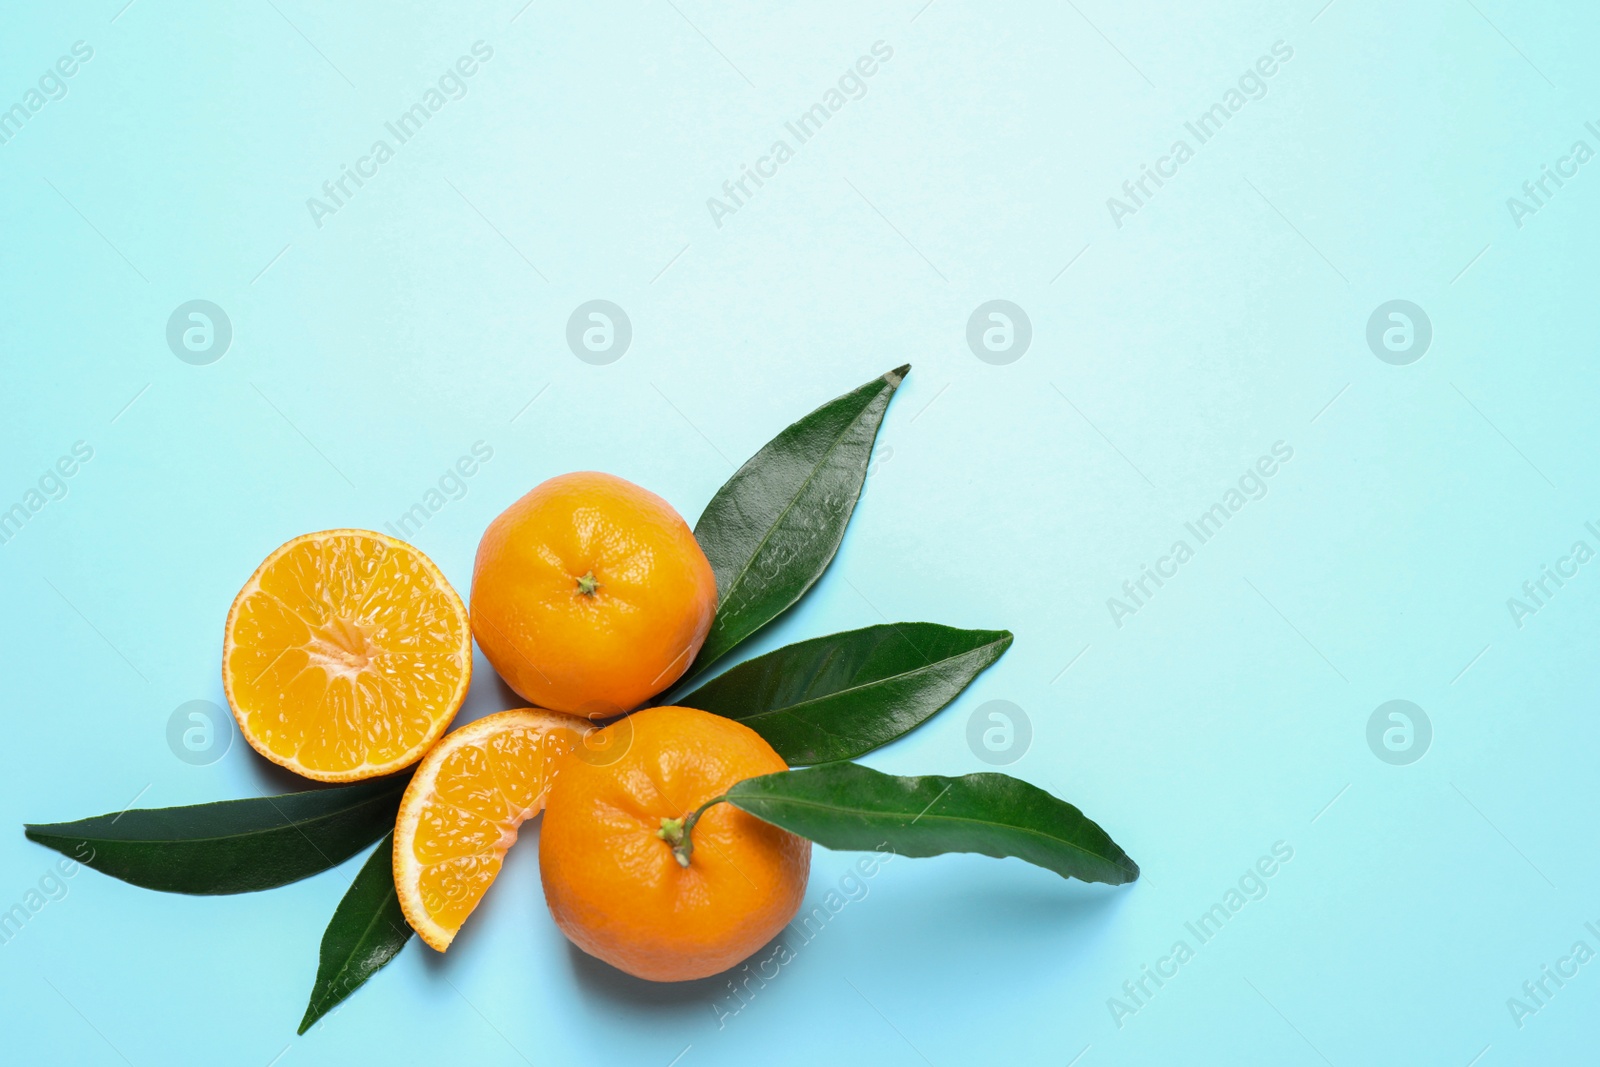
591 595
638 874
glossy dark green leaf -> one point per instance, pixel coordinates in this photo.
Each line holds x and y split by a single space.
232 846
837 697
772 529
366 931
848 806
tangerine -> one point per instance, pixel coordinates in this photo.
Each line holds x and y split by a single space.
637 873
590 594
345 655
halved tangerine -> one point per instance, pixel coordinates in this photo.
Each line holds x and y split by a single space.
462 809
346 655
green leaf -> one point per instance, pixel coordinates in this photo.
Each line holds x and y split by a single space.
233 846
837 697
848 806
772 529
366 931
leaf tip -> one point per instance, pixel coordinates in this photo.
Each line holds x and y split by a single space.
898 375
314 1013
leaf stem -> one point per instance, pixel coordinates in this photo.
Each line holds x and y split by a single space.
675 832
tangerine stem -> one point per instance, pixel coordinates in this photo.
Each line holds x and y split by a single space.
587 584
675 832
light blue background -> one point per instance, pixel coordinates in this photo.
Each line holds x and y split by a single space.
1230 713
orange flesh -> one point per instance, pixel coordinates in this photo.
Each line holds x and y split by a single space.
462 810
346 655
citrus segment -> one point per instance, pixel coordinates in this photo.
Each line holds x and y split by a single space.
346 655
463 807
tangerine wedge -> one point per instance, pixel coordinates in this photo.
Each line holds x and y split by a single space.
462 809
346 655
